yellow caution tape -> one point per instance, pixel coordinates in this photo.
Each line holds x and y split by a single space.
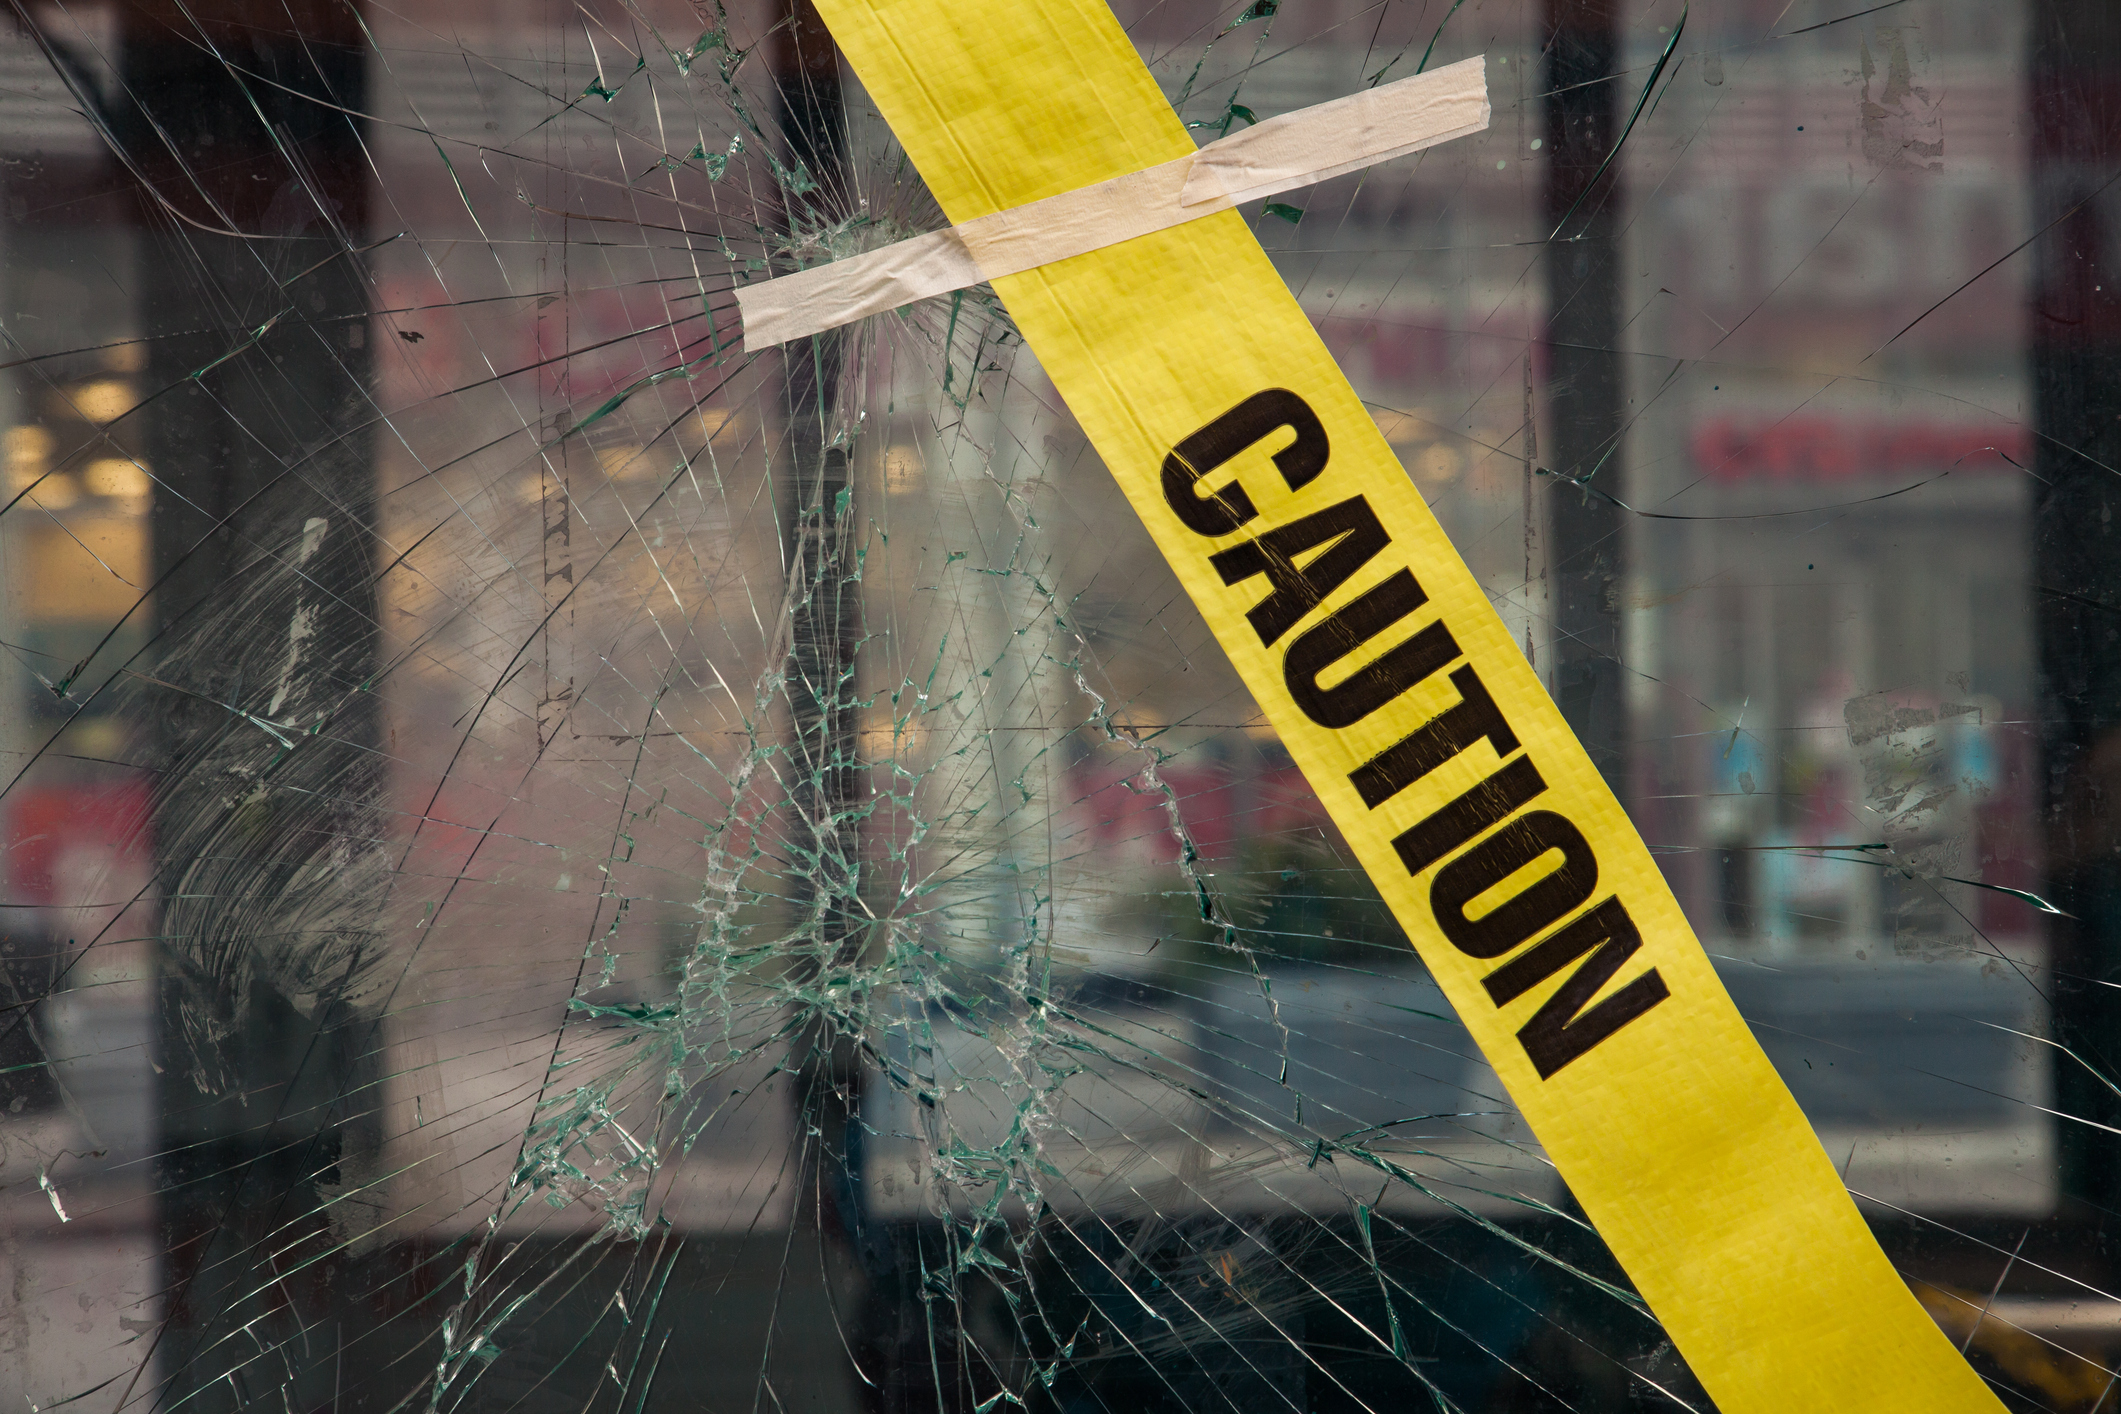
1398 691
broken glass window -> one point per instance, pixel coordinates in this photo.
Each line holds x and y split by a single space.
555 862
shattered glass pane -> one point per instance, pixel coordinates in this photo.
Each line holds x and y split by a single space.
553 862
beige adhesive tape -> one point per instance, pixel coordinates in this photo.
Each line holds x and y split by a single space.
1343 136
1281 154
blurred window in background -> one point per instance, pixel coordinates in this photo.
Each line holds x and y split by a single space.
553 862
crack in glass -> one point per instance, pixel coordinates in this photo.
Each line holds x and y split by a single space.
554 861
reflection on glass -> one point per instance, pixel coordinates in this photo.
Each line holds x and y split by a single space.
553 862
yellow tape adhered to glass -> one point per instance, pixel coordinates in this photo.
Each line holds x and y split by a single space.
1442 759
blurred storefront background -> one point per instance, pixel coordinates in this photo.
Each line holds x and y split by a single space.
553 862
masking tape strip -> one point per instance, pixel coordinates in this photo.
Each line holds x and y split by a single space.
1278 155
1265 483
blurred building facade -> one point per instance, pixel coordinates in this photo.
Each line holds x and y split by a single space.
1829 689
